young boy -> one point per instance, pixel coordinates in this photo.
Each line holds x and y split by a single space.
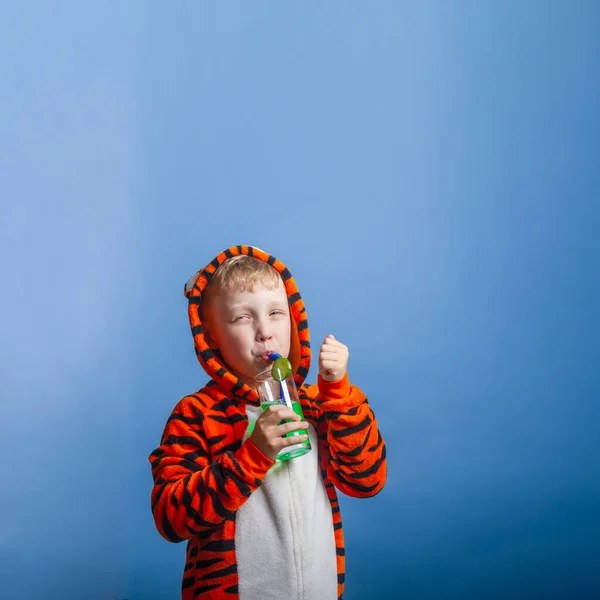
258 528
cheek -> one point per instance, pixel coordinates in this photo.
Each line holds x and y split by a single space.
286 333
239 340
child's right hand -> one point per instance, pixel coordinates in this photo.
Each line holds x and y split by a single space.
267 433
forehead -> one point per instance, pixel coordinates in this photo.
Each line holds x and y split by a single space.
258 296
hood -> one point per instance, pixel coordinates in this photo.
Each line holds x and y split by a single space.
210 358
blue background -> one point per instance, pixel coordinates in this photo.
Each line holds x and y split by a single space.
428 171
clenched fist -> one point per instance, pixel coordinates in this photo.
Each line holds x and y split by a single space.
333 359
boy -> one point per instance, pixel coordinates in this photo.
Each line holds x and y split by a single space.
257 528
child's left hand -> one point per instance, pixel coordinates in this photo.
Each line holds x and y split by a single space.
333 359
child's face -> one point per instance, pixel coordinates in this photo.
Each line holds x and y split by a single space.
246 325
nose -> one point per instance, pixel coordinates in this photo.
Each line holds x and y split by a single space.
262 333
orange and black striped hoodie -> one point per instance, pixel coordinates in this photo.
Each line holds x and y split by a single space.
256 528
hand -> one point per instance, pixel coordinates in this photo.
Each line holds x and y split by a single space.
333 359
268 430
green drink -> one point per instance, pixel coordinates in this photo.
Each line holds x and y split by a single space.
283 391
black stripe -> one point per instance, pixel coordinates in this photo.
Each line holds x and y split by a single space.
302 372
206 588
250 251
352 430
221 372
271 260
237 386
158 496
340 551
242 486
187 583
302 325
285 274
197 411
305 343
356 451
215 469
230 570
183 419
236 418
204 564
228 253
218 506
371 470
334 414
341 577
181 440
195 299
228 448
233 589
365 489
215 439
193 457
201 535
219 546
236 464
169 531
294 298
350 463
205 355
215 263
222 405
192 513
379 440
196 329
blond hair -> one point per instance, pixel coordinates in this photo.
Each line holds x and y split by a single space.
242 273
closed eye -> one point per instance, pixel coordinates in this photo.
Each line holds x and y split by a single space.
240 318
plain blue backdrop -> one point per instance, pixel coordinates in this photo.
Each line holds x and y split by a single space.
428 171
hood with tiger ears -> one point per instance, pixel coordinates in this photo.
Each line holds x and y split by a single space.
210 357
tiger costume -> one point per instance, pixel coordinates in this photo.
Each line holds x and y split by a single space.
257 528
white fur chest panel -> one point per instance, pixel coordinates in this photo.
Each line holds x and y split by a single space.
284 537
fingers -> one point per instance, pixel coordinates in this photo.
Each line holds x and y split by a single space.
330 343
285 428
279 412
329 355
281 420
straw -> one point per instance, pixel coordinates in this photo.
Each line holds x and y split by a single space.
283 392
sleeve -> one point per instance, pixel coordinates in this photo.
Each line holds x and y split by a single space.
192 495
356 450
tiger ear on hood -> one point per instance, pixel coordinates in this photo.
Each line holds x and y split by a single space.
189 286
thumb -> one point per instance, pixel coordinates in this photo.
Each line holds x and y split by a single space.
330 337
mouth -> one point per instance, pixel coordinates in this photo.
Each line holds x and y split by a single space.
265 356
